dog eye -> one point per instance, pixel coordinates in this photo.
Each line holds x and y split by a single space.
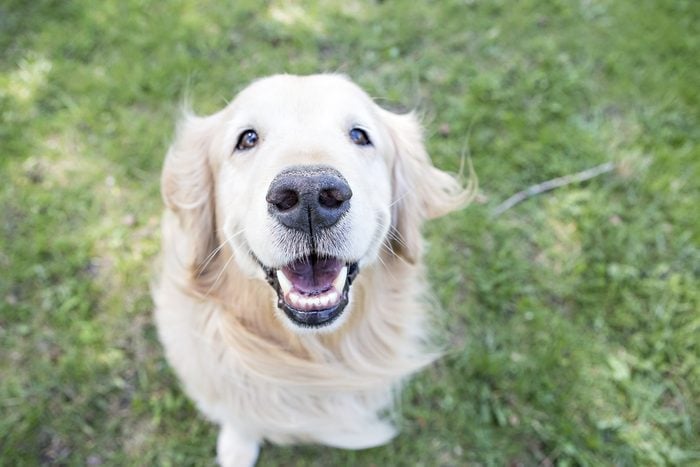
247 140
359 137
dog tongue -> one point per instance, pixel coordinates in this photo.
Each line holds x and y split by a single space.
313 275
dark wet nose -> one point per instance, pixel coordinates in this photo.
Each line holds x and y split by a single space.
307 198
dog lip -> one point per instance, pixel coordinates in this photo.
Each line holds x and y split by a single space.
312 318
315 318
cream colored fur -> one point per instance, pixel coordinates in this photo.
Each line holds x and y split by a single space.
247 367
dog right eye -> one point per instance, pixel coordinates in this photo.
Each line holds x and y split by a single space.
247 140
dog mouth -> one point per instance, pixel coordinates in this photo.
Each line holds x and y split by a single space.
312 290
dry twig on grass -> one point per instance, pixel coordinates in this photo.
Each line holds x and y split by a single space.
535 190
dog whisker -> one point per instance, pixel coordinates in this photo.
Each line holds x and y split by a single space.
395 235
399 199
215 251
218 276
209 258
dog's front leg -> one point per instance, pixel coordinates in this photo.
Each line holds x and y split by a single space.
234 449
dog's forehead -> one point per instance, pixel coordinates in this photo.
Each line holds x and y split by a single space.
304 95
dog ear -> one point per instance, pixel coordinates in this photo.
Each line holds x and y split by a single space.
420 191
187 187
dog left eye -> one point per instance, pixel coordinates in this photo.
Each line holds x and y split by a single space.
247 140
360 137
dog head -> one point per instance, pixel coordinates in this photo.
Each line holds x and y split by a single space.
307 182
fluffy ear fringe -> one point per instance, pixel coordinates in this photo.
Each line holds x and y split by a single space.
420 190
187 187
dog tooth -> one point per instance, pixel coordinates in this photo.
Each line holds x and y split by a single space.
295 298
285 284
339 282
325 300
333 297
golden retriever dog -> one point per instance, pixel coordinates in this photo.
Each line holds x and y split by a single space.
290 299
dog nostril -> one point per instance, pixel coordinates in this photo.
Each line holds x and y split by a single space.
334 197
283 199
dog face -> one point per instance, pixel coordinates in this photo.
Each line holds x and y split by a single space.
311 165
307 181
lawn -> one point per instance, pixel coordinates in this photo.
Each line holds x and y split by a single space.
571 321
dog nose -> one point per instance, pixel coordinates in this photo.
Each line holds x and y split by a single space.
307 198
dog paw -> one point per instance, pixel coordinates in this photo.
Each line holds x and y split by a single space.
235 450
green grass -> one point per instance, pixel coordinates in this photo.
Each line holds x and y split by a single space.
573 320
